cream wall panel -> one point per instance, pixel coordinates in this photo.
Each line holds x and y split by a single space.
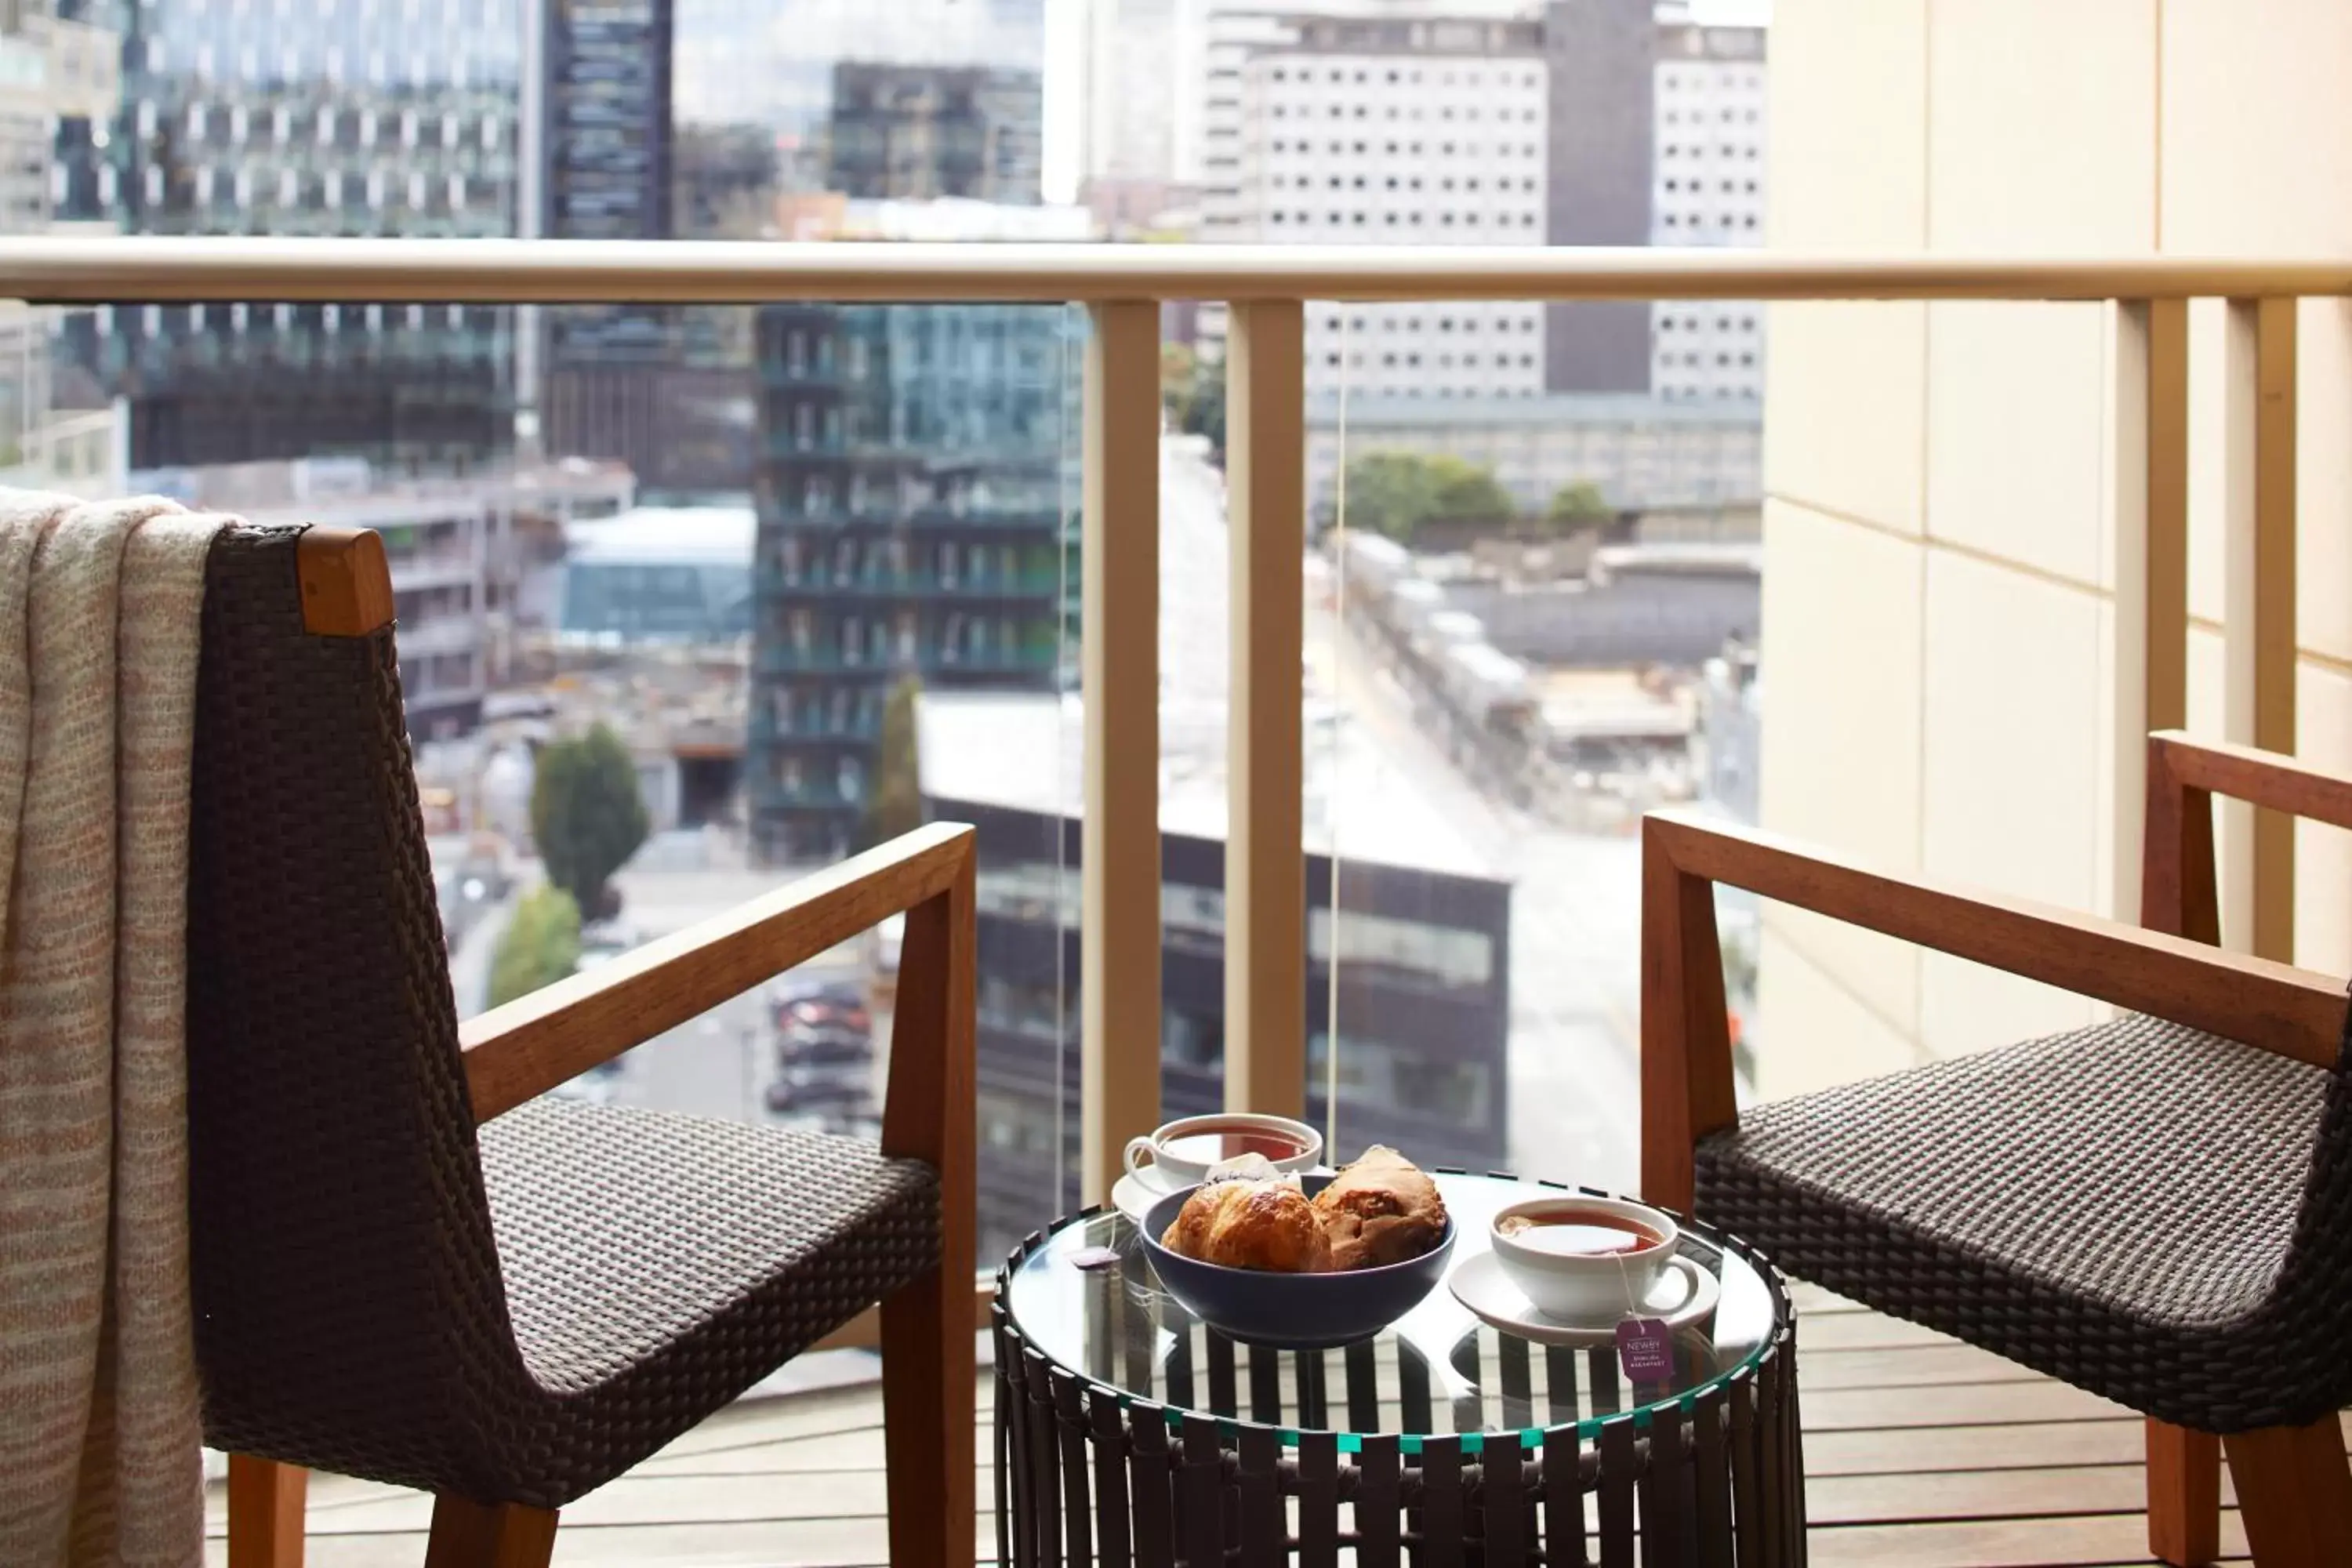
2010 786
1848 129
2016 433
2257 126
1811 1032
2324 474
1965 1007
1841 760
2207 468
2323 855
2040 132
1845 382
2010 789
1846 387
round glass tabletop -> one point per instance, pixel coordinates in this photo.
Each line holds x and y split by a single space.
1439 1370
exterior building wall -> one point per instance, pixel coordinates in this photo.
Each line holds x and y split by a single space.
608 110
337 117
457 563
922 133
1423 1062
1939 621
1130 88
916 489
1709 190
1431 132
1599 52
1643 453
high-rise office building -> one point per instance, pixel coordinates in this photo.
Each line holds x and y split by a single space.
607 103
1602 54
916 492
1709 104
332 117
1429 131
770 62
919 132
640 384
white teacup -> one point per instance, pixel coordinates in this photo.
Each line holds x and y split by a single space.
1180 1153
1580 1257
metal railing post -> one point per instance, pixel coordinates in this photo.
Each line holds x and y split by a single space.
1119 985
2273 563
1266 867
2149 653
2259 620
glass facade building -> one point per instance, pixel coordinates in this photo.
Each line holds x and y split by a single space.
304 117
917 132
917 498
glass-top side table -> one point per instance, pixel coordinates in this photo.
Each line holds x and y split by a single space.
1129 1431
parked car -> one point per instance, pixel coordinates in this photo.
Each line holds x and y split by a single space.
843 1095
819 1013
824 1046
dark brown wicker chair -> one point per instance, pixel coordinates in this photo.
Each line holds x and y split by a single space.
2156 1209
409 1269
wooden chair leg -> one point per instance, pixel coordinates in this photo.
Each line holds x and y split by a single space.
468 1534
2184 1495
2294 1494
264 1512
928 1374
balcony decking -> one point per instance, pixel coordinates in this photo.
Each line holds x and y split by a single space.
1919 1451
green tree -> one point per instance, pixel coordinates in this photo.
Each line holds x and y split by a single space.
1578 505
586 813
1396 493
1179 369
894 805
540 946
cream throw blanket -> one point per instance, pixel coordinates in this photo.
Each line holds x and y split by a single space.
99 605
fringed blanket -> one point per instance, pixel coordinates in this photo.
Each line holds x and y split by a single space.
98 1430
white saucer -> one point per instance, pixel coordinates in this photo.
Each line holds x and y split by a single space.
1134 1195
1480 1284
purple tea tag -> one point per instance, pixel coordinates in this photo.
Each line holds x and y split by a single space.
1645 1350
1093 1258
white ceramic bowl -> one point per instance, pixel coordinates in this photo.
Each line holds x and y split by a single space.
1580 1287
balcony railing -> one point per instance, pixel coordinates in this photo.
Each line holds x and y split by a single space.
2145 663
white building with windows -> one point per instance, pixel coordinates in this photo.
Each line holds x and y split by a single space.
1392 130
1709 104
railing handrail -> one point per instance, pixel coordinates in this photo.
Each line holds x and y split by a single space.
77 270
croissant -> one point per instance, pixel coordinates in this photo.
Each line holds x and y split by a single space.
1251 1225
1382 1209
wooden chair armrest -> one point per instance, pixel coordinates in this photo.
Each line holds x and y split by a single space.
1686 1090
2249 774
528 1046
2178 892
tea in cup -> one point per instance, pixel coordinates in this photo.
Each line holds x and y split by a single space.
1181 1153
1583 1258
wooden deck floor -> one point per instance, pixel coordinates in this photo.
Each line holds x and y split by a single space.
1919 1451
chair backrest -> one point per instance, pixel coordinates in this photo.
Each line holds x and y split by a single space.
2311 1302
346 1278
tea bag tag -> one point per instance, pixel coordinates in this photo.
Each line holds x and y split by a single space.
1645 1350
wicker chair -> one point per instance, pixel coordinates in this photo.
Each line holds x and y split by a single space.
2156 1209
409 1269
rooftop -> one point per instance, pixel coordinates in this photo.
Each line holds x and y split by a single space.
1547 411
1023 752
666 535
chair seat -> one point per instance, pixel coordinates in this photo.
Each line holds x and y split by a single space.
657 1264
2113 1206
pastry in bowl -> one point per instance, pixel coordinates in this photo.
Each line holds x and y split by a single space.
1244 1224
1382 1209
